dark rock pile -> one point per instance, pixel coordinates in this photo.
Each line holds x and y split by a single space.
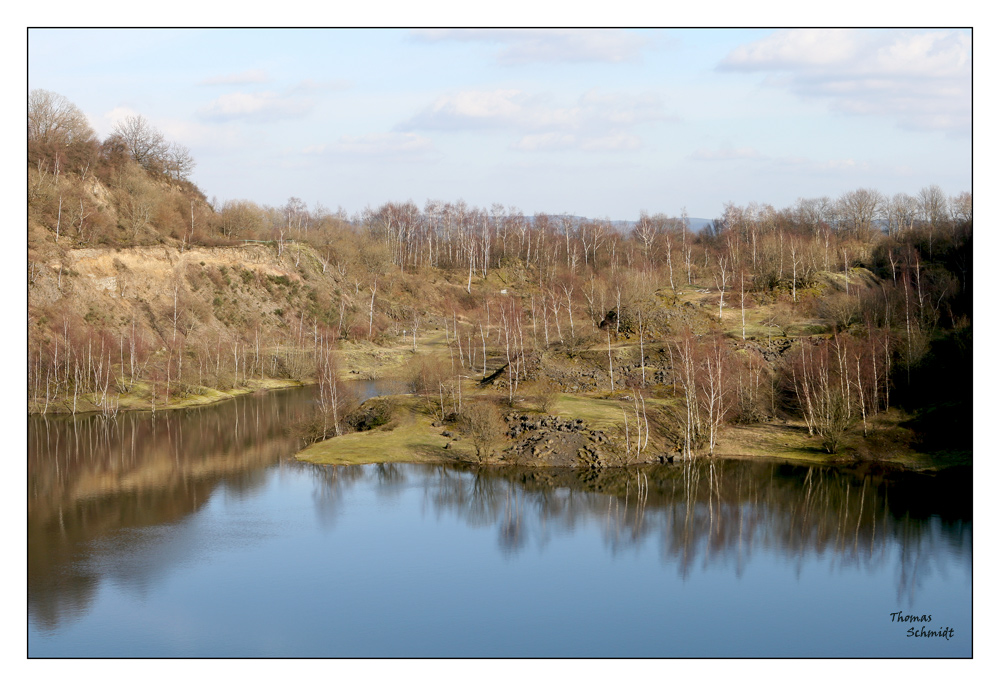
553 441
546 440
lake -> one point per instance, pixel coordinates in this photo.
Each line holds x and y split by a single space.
195 533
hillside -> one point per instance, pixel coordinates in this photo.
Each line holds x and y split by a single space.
786 331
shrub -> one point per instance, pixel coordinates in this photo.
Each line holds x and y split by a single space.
840 309
485 427
546 394
374 413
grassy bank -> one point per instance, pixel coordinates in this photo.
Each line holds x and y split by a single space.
408 437
888 441
411 436
139 399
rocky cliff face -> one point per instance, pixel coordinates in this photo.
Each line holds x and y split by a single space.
203 290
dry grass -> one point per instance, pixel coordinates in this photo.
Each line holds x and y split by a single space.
366 360
139 398
787 441
887 441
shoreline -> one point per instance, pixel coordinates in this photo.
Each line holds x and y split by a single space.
411 437
211 396
414 435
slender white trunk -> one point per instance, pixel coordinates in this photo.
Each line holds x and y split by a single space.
371 309
611 364
482 334
59 217
847 284
642 350
794 275
743 310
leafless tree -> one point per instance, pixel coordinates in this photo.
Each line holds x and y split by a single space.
179 163
647 231
716 392
720 282
238 218
482 422
332 398
136 204
54 119
901 211
961 207
859 209
685 372
933 204
144 142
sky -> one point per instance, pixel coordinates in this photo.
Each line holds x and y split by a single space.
599 123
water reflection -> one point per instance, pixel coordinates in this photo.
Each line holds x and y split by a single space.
329 488
90 479
706 514
114 501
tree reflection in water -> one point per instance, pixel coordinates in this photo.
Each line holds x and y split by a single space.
330 486
91 480
511 535
716 513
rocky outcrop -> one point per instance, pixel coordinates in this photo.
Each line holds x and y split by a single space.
547 440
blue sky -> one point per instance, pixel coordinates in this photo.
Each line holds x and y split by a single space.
597 123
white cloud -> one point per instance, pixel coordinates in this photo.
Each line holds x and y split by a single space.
104 123
262 106
248 76
546 141
472 109
116 114
923 80
794 49
270 106
618 108
613 141
566 141
726 153
380 145
595 121
786 164
524 46
201 136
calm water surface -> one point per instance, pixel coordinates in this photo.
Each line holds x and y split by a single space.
194 534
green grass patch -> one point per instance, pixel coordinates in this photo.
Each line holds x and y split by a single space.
597 412
600 413
409 437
